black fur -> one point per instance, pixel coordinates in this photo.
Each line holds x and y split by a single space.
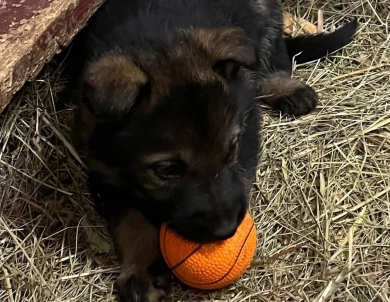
167 120
309 48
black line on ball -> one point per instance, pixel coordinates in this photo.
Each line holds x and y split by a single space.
182 261
228 272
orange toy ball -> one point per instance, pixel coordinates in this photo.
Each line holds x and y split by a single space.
212 265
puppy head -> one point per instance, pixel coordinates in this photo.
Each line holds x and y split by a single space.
167 126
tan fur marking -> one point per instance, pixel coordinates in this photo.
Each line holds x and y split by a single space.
278 85
117 70
117 78
193 57
225 43
136 241
137 244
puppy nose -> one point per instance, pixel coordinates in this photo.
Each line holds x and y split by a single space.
225 232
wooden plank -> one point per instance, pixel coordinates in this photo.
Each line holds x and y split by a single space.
31 33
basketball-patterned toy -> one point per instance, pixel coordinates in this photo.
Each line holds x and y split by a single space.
212 265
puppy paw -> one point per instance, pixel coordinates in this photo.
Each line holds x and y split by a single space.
298 102
144 275
288 95
142 287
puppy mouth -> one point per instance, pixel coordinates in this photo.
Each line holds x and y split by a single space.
207 230
202 237
202 234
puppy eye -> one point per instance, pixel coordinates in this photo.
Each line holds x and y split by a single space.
168 169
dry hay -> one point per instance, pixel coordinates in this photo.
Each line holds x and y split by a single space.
320 200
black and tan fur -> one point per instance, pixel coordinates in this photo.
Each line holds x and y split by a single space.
167 118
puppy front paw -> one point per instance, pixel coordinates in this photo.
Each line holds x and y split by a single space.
297 102
290 96
140 287
144 275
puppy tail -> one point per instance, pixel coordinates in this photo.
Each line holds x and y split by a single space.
313 47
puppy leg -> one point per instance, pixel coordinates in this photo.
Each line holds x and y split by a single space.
278 89
288 95
144 276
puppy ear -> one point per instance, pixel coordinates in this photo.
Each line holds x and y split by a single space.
229 48
111 86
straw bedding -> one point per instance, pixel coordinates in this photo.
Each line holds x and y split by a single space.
320 199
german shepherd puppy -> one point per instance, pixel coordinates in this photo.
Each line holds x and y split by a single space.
167 117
